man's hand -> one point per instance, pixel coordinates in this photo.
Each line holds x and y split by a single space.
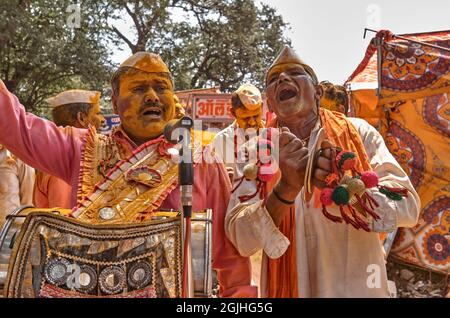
292 162
322 165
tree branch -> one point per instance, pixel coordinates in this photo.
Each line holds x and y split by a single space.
124 38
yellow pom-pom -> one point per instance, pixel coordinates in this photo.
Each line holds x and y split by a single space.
250 171
345 179
356 186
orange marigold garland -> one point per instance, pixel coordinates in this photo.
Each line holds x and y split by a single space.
348 191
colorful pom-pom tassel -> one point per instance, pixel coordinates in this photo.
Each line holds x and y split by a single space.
340 195
346 160
370 179
250 171
356 186
326 196
331 178
265 173
391 195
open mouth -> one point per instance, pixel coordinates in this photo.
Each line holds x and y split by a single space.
152 112
286 94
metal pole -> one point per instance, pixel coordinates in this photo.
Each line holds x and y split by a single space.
410 40
378 43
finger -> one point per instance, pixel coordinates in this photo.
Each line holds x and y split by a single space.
324 164
318 184
326 144
320 174
294 145
285 129
303 162
300 153
326 153
285 138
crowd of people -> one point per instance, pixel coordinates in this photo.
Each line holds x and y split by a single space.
312 211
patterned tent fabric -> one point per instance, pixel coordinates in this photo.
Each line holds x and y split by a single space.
413 115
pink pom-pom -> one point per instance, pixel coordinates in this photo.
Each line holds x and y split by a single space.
369 178
326 196
266 172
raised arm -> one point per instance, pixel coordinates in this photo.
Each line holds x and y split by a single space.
36 141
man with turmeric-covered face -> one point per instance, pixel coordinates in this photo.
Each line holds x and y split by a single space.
179 109
246 107
106 187
318 239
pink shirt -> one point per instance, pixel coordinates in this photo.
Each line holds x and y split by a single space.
57 151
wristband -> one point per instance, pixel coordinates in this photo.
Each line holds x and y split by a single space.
281 199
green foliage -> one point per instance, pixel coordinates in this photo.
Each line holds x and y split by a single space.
41 54
207 42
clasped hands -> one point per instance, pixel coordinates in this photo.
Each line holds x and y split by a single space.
293 161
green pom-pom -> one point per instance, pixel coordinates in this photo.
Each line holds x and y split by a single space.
391 195
346 160
340 195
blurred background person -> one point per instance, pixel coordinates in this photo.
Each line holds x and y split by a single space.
334 97
16 183
77 108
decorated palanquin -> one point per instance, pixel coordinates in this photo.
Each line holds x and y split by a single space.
409 103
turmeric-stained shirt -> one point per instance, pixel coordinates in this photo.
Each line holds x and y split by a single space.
58 151
51 192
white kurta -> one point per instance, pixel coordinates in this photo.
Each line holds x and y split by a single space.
226 141
16 183
225 149
333 259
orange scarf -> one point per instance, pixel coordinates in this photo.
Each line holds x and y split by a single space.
282 272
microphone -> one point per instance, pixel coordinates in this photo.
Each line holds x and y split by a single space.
176 131
172 132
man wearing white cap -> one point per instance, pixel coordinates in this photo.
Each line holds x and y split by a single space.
126 176
77 108
246 107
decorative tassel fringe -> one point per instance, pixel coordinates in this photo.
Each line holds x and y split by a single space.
247 197
330 216
393 193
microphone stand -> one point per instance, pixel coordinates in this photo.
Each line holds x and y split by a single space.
186 182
